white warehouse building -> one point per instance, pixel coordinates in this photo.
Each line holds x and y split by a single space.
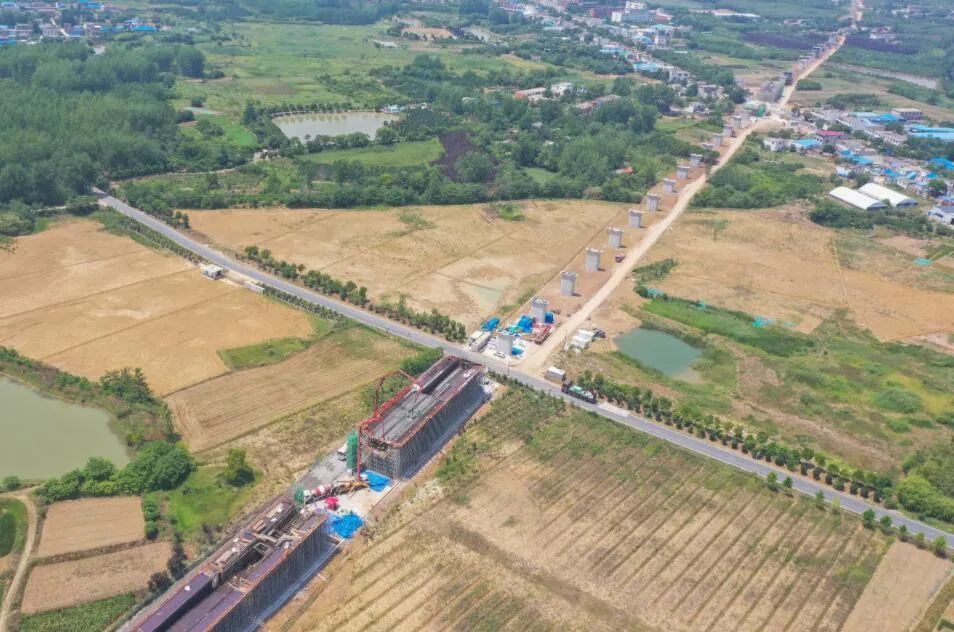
895 199
856 199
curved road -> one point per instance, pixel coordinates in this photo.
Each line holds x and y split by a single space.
20 575
712 450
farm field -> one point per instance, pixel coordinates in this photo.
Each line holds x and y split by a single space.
563 517
95 615
53 586
906 580
87 302
81 525
776 264
224 408
462 260
405 154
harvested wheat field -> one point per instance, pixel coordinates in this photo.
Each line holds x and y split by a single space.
463 260
572 519
53 586
87 301
216 411
777 264
81 525
906 581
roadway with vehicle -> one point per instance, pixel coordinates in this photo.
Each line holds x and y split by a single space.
699 446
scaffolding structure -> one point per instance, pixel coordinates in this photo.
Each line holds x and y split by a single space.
405 431
251 576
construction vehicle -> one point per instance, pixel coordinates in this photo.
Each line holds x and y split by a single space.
346 486
619 258
578 392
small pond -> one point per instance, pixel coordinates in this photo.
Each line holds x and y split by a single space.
660 351
311 125
42 437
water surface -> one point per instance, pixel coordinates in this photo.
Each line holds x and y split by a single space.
661 351
42 437
311 125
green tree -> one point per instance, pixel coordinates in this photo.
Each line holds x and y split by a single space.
886 524
237 471
868 518
11 483
474 167
772 481
788 483
939 546
820 499
127 384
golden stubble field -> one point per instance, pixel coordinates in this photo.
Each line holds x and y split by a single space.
777 264
583 524
227 407
462 260
91 523
87 301
63 584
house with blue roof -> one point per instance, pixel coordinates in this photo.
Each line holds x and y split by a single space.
806 144
941 163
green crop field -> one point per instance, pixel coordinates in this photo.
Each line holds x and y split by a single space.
409 154
13 525
97 615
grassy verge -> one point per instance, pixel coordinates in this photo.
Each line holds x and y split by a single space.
273 351
96 615
13 526
734 325
204 501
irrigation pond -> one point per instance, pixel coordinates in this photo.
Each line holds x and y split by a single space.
42 437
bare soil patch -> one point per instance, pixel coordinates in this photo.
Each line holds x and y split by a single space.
219 410
462 262
902 587
53 586
429 32
81 525
88 302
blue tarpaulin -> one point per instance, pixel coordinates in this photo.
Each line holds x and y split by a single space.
347 525
525 323
490 324
377 482
548 317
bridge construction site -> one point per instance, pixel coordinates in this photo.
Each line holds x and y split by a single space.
286 543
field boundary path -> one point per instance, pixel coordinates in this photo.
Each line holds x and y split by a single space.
722 454
18 578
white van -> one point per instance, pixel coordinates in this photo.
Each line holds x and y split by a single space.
342 452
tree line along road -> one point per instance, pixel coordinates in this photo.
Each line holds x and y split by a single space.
660 431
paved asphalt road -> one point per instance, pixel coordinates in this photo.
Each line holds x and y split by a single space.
712 450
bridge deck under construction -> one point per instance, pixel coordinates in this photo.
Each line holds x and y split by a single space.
413 424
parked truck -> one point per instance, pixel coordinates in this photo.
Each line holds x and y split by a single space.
579 392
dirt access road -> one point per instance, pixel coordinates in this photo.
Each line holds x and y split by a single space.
536 362
20 575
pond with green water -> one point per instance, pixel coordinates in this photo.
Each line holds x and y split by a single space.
308 126
661 351
41 437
